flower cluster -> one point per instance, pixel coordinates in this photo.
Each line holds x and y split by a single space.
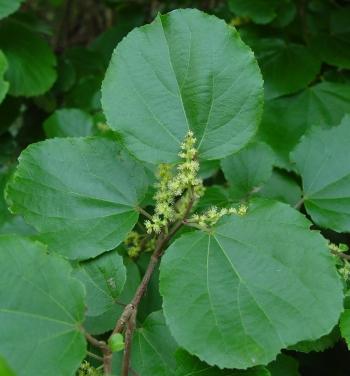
170 187
212 215
133 243
343 264
86 369
136 243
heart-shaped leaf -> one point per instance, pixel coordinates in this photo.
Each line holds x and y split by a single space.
186 70
239 294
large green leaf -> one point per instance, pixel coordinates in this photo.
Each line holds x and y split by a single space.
68 122
186 70
81 194
153 349
104 278
41 309
237 295
9 6
322 158
286 67
248 169
4 85
31 62
286 119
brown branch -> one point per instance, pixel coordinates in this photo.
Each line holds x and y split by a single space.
95 342
129 313
128 342
92 355
107 354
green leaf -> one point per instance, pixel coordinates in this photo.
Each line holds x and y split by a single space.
9 6
321 344
4 368
11 224
261 12
216 195
334 45
344 325
286 119
284 365
106 321
281 187
41 310
286 67
186 70
322 159
68 122
86 94
188 365
239 294
104 278
4 85
81 194
31 62
248 169
153 350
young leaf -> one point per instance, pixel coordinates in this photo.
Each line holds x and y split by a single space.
107 320
281 187
68 122
239 294
248 169
153 349
188 365
186 70
4 368
284 365
81 194
31 63
11 224
104 278
321 344
261 12
344 325
116 342
41 310
322 158
286 119
4 85
334 45
9 6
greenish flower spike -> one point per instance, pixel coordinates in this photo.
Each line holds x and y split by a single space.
212 216
169 203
